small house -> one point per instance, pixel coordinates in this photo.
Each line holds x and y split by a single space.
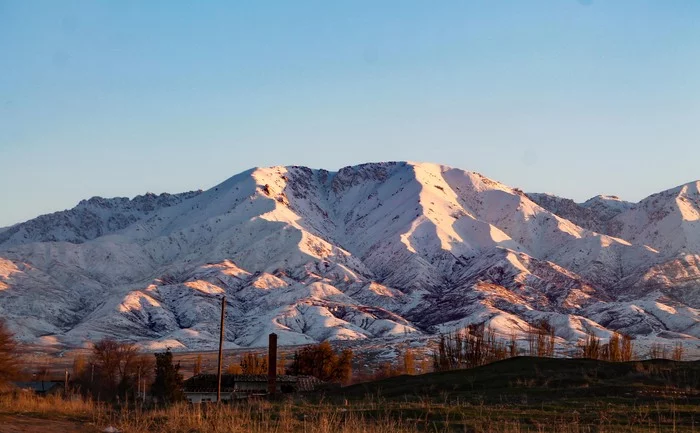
202 387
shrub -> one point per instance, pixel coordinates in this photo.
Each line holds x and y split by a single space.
167 386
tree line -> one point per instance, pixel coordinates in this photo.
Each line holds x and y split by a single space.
478 345
114 371
117 371
319 360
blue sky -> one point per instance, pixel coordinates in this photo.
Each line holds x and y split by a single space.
119 98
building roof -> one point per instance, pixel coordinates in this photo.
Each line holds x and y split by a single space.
37 386
208 382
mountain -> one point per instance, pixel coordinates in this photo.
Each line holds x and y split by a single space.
594 214
374 251
606 207
89 220
668 222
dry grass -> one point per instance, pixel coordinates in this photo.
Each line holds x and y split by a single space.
26 403
256 418
514 396
368 416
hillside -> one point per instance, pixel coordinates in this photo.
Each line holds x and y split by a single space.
377 251
544 380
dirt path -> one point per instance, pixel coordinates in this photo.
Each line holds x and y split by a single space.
26 424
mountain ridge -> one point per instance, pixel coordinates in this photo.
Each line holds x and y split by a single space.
373 251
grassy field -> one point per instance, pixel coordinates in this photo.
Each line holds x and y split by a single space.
516 395
545 394
540 380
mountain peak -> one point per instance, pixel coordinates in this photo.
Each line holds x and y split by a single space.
375 250
603 198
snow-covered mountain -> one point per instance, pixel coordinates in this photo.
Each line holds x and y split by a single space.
372 251
594 214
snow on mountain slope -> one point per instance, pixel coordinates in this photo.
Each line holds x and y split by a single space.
668 221
654 314
541 285
568 209
602 259
606 207
678 279
40 304
90 219
594 214
372 251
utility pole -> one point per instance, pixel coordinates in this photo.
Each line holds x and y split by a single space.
221 350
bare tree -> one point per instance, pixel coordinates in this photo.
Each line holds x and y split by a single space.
9 358
409 362
590 347
469 347
531 338
513 345
626 350
197 368
658 351
281 362
254 364
678 350
79 365
386 370
115 369
617 349
234 368
425 365
613 350
541 338
323 362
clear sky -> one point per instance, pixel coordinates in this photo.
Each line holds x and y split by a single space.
118 98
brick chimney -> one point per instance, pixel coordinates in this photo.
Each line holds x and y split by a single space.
272 365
